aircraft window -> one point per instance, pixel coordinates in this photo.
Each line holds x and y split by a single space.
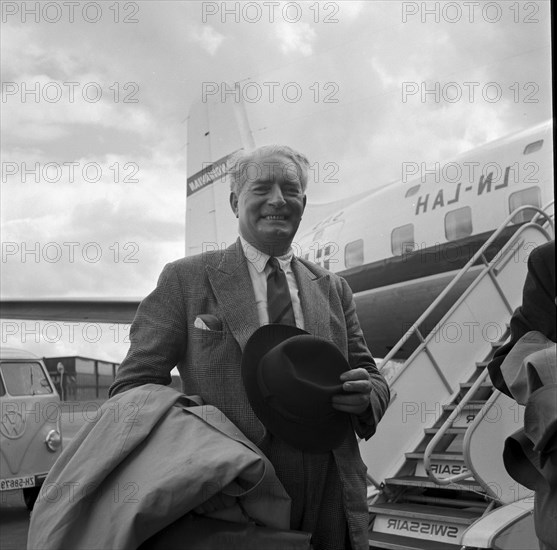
354 253
533 147
412 191
458 223
520 198
402 239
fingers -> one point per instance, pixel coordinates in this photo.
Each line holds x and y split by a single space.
357 386
354 374
353 403
356 381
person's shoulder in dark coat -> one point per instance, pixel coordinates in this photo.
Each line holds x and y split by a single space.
537 311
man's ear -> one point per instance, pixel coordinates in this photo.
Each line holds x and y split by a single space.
234 203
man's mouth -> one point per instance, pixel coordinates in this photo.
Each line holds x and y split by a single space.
275 218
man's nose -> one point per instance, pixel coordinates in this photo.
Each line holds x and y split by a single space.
276 198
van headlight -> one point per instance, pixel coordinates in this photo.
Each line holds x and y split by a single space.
53 440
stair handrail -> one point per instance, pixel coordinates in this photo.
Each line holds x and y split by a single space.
481 378
478 255
442 430
546 214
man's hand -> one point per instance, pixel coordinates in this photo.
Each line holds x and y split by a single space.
357 385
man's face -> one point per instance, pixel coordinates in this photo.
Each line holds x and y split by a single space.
270 204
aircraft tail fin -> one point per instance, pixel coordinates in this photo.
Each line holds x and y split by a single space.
216 130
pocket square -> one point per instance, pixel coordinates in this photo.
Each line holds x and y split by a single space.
207 321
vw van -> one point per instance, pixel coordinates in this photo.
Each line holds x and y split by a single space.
30 424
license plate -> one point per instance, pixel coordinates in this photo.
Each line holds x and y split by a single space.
17 483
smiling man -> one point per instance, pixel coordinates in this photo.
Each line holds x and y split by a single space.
206 307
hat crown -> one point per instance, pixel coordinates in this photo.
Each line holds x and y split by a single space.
290 377
300 375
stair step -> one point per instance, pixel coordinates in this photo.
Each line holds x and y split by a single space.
443 468
437 456
422 521
455 430
468 385
480 505
472 404
426 483
394 542
467 414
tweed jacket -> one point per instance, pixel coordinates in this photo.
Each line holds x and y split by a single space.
164 334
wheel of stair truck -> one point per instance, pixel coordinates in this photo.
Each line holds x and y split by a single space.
30 433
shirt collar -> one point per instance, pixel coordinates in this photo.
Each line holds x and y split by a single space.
259 259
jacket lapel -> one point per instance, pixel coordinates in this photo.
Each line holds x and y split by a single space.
314 297
231 283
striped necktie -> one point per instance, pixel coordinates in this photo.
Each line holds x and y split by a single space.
279 303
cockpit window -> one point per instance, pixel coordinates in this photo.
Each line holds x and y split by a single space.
533 147
412 190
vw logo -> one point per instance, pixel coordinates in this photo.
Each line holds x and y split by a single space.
12 424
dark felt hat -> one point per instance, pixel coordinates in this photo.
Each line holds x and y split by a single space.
290 377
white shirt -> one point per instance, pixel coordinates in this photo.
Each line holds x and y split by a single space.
259 270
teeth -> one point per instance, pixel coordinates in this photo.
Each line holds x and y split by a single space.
275 217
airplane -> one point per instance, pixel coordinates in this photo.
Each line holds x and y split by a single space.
396 260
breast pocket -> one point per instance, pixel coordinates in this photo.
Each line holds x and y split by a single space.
203 338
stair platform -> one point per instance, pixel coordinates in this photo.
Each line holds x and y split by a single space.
417 511
425 522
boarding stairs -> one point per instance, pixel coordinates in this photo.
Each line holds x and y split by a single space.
437 479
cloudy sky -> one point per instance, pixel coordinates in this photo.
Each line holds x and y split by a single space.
96 98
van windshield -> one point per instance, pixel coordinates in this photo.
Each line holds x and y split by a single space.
25 379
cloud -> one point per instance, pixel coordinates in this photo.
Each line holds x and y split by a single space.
91 238
207 37
39 108
295 37
350 10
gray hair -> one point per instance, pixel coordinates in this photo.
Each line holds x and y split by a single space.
239 163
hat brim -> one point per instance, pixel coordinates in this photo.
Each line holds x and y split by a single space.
320 436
